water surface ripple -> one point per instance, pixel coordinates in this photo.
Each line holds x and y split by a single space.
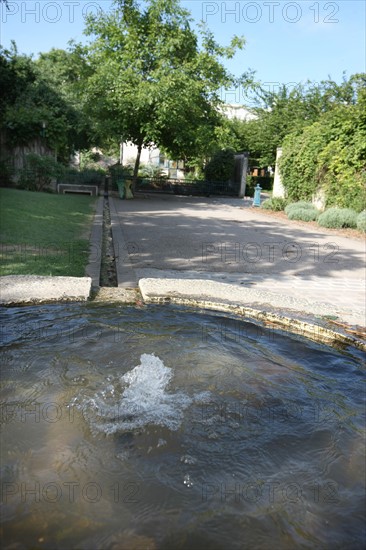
163 428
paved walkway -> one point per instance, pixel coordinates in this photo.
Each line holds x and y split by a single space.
221 248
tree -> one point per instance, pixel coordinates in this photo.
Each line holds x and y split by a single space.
331 153
289 110
221 166
35 104
152 83
16 74
64 72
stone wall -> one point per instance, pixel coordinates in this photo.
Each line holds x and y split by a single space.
15 156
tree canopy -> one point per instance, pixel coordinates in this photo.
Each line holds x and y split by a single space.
36 100
148 77
286 111
151 80
330 153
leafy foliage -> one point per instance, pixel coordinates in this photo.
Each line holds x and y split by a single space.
275 203
221 166
37 103
88 176
38 172
148 77
330 154
91 160
16 73
151 81
287 110
290 110
296 205
361 221
266 182
64 72
304 214
6 173
299 159
151 171
338 217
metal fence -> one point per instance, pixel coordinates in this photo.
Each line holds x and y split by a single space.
187 187
85 177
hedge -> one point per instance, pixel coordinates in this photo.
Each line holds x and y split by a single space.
338 217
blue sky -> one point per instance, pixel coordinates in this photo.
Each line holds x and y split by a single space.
287 42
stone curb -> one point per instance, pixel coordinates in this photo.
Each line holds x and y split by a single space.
95 241
224 292
36 289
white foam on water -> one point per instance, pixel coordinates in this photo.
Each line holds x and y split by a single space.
144 400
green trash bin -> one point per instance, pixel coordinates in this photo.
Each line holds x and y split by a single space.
121 188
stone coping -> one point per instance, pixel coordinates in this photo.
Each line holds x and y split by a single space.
36 289
291 320
300 327
32 289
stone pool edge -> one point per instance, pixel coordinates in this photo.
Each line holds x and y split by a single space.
25 290
291 323
17 290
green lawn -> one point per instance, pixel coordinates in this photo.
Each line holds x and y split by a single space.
43 233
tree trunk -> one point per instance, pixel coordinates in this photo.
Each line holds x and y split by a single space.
137 165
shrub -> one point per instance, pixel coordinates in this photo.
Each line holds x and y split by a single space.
304 214
89 176
117 171
330 155
338 217
249 187
38 172
275 203
296 205
151 171
267 204
89 160
221 166
266 182
6 173
361 221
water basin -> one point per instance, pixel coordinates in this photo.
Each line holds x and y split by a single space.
161 428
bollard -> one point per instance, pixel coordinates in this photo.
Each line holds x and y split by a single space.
257 195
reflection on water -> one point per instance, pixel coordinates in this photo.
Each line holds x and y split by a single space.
155 428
